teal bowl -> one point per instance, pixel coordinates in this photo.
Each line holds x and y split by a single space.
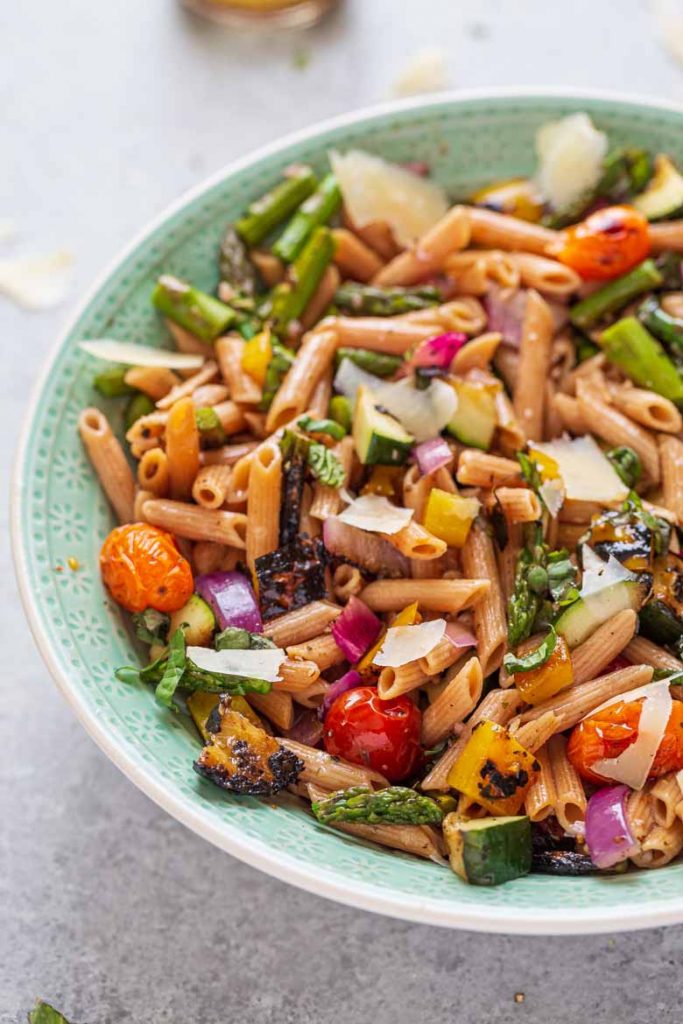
58 512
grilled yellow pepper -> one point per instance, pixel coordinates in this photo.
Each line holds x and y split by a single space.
517 197
494 769
449 516
544 682
256 356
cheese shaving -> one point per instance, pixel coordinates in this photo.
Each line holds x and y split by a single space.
632 767
125 352
570 153
36 282
587 474
598 575
424 72
376 514
261 664
403 644
552 493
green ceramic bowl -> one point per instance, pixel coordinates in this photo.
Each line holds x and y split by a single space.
468 139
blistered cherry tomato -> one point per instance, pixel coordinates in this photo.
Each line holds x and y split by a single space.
142 568
608 733
606 244
379 734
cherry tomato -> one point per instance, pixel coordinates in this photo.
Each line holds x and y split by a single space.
609 732
606 244
379 734
142 568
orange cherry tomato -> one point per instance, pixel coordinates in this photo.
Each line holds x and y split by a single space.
609 732
142 568
606 244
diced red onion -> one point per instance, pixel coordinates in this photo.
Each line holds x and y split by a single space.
232 599
307 728
367 550
459 635
356 629
608 836
348 681
438 352
432 455
505 309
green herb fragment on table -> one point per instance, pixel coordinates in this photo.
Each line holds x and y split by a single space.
275 206
396 805
198 312
357 299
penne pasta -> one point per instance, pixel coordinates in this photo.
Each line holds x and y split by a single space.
534 365
153 472
302 624
109 462
492 230
243 388
671 460
603 646
313 359
479 469
490 624
428 256
431 594
454 703
263 503
211 485
196 523
354 258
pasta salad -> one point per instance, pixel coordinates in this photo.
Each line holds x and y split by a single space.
400 512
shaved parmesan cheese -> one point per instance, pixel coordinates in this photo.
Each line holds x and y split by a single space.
36 282
425 71
140 355
376 190
632 767
552 493
350 377
597 575
587 474
570 153
375 513
408 643
263 664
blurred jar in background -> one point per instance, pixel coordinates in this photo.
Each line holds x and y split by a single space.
263 13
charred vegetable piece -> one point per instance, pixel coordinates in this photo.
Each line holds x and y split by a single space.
235 266
367 300
43 1013
543 682
562 862
661 619
275 206
198 312
294 448
494 769
242 758
583 617
624 534
211 432
291 577
204 708
488 851
396 805
379 439
518 197
278 367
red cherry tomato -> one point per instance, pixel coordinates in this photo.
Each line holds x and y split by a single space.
379 734
606 244
142 568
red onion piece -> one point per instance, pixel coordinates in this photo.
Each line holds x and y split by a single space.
505 308
419 167
459 635
307 728
367 550
356 629
608 836
348 681
432 455
438 352
232 599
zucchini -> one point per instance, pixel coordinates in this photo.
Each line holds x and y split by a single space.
489 851
584 616
379 439
663 196
661 619
196 620
474 420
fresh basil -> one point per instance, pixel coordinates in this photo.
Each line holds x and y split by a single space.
534 659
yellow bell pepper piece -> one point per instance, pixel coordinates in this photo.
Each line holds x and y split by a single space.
200 704
383 481
449 516
256 356
518 197
494 769
548 467
408 617
544 682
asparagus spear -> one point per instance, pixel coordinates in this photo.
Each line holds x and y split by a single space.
316 210
275 206
211 432
340 411
615 295
380 363
196 311
667 328
139 405
366 300
291 298
280 363
395 805
629 346
111 384
236 269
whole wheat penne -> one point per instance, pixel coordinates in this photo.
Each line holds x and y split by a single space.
196 523
270 267
416 542
313 695
153 381
671 460
667 236
476 269
393 334
573 704
541 797
211 485
440 657
320 399
608 640
519 504
332 773
184 340
243 388
243 464
322 649
457 700
208 372
210 395
263 503
492 230
312 360
207 556
617 429
464 313
640 812
479 469
227 454
392 682
302 624
255 422
507 560
182 448
427 257
354 258
147 432
570 806
141 496
276 705
641 651
307 523
546 275
377 234
667 800
534 365
431 594
569 534
296 675
648 409
490 624
532 735
660 846
347 581
327 500
109 462
322 298
574 510
153 472
552 423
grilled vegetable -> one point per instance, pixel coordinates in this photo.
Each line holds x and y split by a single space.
198 312
663 196
204 710
377 436
543 682
584 616
294 448
139 405
518 197
488 851
313 212
661 619
633 535
110 382
544 583
233 638
641 357
271 209
494 769
211 432
291 577
357 299
43 1013
393 806
235 266
562 862
242 758
450 516
615 295
474 420
196 620
606 244
329 427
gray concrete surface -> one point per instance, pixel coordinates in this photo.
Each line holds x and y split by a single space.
108 907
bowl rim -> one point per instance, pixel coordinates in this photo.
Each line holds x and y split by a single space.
318 880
